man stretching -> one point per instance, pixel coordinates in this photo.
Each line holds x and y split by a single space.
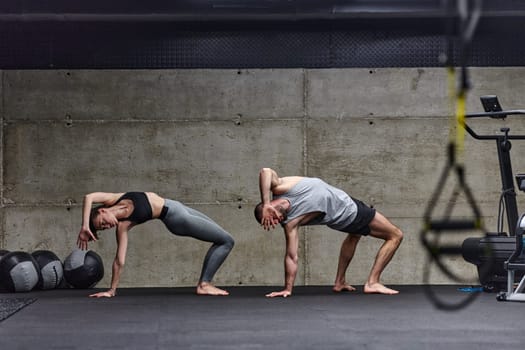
295 201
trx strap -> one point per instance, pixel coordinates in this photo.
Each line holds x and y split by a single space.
434 228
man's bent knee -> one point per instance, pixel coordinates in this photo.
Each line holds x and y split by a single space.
396 235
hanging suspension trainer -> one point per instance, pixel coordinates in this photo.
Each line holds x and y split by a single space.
434 228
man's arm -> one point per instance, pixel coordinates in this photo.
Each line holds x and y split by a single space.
270 183
268 180
291 259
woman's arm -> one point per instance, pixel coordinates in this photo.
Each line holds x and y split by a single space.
85 234
118 262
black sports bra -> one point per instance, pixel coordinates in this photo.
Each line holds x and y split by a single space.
142 211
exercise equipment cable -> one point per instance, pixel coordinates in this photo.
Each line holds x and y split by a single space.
455 159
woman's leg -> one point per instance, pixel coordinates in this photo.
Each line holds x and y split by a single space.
185 221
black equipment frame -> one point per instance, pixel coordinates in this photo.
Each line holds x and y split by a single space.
503 146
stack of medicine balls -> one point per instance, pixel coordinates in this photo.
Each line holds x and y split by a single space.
42 269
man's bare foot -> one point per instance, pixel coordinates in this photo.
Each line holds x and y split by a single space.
343 288
205 288
378 288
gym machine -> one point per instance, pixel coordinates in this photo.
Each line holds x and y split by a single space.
515 263
496 253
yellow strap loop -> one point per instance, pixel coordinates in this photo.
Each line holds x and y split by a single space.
451 79
457 117
460 126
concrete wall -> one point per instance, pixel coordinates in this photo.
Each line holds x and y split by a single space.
201 136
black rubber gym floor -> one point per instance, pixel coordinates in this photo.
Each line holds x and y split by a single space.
313 318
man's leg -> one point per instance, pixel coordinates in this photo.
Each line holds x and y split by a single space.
345 256
381 227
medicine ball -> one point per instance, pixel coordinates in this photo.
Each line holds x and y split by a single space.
3 252
51 269
83 269
19 272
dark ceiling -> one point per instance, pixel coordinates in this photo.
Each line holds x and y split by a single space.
252 34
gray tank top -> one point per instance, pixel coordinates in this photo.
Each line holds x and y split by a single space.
314 195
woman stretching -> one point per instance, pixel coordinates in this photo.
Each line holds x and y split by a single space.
126 210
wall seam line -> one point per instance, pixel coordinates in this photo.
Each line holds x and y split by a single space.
2 206
306 267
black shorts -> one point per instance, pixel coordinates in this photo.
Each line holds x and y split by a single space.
364 216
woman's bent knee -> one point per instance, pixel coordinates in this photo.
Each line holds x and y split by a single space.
229 242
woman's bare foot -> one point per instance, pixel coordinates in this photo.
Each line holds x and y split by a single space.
205 288
343 288
378 288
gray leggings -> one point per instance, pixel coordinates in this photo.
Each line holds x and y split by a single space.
185 221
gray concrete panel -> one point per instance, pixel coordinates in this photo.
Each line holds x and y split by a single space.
378 160
506 82
399 92
341 93
189 161
42 228
399 161
153 95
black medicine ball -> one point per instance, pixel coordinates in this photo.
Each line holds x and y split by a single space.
51 269
19 272
3 252
83 269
